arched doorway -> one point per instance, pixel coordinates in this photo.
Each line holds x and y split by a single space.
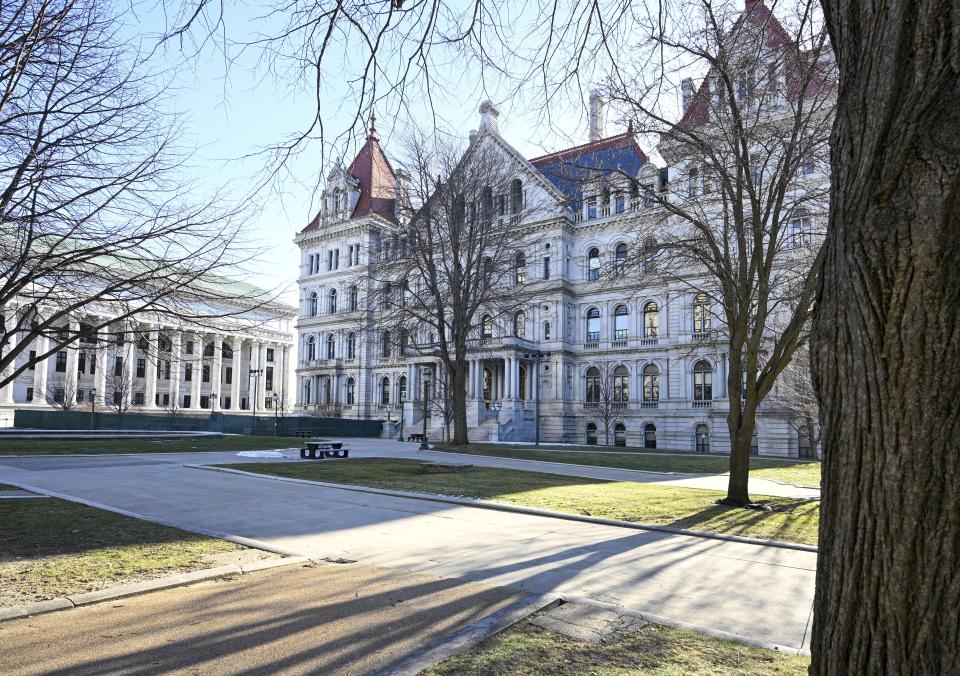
619 434
650 436
591 434
703 439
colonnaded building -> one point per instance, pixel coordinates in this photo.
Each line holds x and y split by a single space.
162 364
656 344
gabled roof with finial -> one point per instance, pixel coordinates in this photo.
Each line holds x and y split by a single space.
377 181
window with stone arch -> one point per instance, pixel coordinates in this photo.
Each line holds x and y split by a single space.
651 383
702 437
593 264
312 304
620 259
592 393
332 302
546 330
401 389
311 348
591 434
649 435
385 390
520 324
702 381
593 325
352 298
701 314
621 323
351 345
619 434
486 327
351 392
651 320
331 347
621 384
306 391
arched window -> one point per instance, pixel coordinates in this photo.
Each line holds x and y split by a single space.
520 325
621 384
208 350
385 345
703 439
546 330
352 298
486 327
351 346
336 200
333 301
327 391
385 390
651 320
693 181
649 253
311 348
649 435
313 304
306 391
401 389
486 205
651 383
387 294
591 436
620 258
404 340
351 391
593 385
516 196
520 268
619 434
621 321
593 325
331 347
593 264
702 381
701 314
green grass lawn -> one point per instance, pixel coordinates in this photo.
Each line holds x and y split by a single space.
94 446
797 472
50 548
795 520
655 650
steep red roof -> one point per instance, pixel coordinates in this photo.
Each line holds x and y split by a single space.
378 182
757 13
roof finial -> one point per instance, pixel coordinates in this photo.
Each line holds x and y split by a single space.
373 127
630 126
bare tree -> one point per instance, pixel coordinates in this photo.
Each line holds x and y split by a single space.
456 266
119 395
61 393
738 220
94 213
607 397
797 401
441 401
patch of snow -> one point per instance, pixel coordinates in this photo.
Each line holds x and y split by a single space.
261 454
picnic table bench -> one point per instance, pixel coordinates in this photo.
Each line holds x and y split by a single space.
415 436
317 450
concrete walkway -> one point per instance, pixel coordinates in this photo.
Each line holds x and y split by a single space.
763 593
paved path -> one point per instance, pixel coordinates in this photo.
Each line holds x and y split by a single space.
351 619
761 592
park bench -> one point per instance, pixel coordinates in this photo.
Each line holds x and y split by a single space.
317 450
415 436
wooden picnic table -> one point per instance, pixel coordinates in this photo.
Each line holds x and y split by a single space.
317 450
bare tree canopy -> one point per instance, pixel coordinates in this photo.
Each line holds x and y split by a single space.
94 214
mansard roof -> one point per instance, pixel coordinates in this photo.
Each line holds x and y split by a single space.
377 182
568 169
757 13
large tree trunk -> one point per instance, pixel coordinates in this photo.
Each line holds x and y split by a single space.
887 347
459 383
741 428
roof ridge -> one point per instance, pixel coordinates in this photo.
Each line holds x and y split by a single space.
579 148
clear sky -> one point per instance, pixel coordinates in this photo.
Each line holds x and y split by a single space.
235 105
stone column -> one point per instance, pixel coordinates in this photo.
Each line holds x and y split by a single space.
216 373
6 393
40 369
73 351
129 368
100 380
262 383
237 344
150 374
196 377
173 388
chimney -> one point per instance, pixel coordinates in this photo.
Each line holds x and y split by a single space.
596 115
488 116
686 87
473 136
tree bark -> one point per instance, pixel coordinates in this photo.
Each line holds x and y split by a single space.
886 350
741 438
458 377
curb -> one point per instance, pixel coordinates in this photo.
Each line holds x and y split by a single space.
515 509
227 572
469 636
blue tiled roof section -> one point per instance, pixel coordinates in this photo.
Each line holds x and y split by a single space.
569 171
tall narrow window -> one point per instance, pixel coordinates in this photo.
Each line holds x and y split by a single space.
702 381
351 346
385 391
333 301
621 321
702 436
593 264
516 196
650 436
385 347
486 327
311 348
353 298
593 325
800 232
620 259
520 325
651 320
701 314
591 436
546 267
546 330
621 384
693 182
651 383
331 347
313 304
520 268
351 391
592 394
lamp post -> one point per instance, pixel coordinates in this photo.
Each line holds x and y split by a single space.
496 406
426 393
537 356
276 414
256 390
389 409
93 409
